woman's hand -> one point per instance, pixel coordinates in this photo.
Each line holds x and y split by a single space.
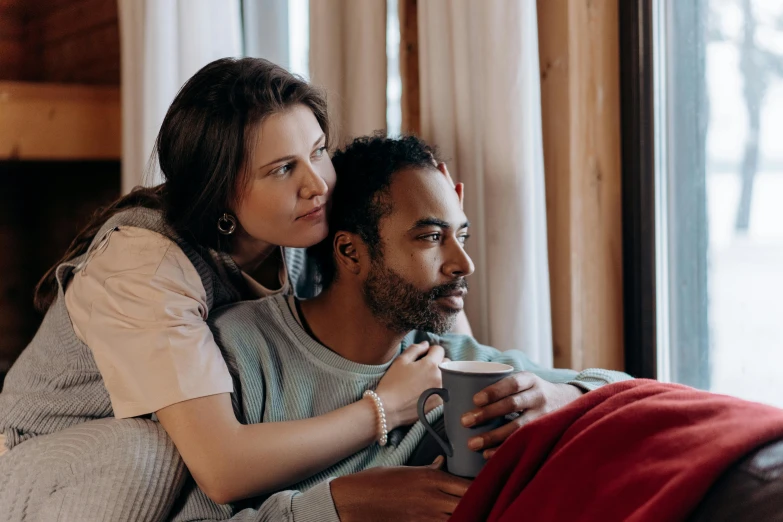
414 371
459 187
524 393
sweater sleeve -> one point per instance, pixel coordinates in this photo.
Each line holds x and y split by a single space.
466 348
313 505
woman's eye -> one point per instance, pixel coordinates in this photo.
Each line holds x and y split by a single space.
285 169
320 151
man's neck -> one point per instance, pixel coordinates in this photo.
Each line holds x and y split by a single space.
341 321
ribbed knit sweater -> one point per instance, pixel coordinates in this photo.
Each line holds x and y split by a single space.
283 374
55 383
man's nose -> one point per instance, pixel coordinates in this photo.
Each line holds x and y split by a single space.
459 264
313 184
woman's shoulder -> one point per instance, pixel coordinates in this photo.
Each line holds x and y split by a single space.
139 254
130 248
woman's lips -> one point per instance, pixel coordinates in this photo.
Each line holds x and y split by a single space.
316 213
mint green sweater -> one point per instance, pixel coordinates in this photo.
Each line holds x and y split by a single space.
282 374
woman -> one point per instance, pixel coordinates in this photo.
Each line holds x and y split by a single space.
243 149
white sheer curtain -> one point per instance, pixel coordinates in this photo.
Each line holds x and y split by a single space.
348 58
481 105
164 42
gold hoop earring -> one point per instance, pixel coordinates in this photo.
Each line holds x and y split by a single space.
226 224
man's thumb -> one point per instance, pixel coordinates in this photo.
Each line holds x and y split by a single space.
437 463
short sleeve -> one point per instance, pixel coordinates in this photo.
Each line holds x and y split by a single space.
146 324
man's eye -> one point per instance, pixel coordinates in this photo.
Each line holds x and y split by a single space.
432 237
463 239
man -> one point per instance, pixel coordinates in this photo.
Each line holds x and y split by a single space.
394 273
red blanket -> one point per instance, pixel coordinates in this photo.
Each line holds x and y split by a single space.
635 450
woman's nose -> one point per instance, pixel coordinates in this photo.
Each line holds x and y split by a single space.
313 184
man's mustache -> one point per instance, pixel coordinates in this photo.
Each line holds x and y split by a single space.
449 288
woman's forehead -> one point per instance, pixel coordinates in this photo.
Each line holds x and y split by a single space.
286 133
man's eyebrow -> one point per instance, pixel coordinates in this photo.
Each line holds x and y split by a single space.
433 221
289 158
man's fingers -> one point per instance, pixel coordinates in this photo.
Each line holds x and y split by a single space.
452 485
437 463
436 354
494 438
488 454
518 402
414 351
503 388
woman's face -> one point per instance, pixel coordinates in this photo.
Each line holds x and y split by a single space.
290 181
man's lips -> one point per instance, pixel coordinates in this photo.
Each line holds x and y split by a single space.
459 292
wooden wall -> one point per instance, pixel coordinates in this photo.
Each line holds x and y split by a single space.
54 44
579 59
62 41
11 39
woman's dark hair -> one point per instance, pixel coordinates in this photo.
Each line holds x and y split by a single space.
360 200
202 150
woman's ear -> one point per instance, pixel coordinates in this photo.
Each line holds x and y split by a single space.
346 253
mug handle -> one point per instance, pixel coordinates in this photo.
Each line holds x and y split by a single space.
444 394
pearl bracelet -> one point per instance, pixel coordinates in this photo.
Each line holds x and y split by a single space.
384 437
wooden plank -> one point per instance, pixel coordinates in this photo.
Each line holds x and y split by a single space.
11 59
59 122
579 58
409 66
74 18
11 22
39 8
11 40
77 58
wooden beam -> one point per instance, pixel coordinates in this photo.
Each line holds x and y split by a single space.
11 40
579 59
409 66
59 122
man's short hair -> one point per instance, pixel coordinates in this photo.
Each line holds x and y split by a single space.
364 171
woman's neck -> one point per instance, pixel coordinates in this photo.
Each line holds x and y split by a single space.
250 254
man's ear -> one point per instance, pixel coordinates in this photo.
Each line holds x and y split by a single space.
345 251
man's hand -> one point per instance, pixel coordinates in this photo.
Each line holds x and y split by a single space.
524 393
393 494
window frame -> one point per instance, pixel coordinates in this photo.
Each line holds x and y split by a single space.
637 120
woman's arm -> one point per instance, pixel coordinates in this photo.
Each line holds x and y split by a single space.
231 461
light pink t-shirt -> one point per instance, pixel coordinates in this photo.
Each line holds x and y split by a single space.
140 305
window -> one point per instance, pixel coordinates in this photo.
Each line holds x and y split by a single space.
279 30
715 124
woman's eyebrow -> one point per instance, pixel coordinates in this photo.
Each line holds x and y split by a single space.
290 156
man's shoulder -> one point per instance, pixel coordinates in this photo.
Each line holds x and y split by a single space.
254 316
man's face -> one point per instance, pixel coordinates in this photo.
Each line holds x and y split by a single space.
418 283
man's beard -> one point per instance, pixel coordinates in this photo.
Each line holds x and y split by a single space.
402 307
